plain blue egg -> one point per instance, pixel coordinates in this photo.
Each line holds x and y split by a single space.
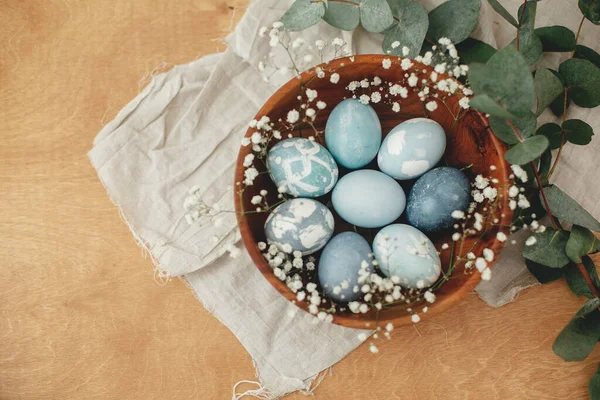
412 148
404 251
303 224
353 134
340 263
302 167
435 196
368 198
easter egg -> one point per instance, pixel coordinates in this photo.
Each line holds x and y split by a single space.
303 225
412 148
404 251
368 198
302 167
353 133
343 260
435 196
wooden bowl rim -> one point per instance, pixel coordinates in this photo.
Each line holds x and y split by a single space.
360 321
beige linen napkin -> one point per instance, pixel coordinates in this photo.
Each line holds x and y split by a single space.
184 130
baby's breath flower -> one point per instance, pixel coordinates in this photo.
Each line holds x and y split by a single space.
405 51
233 251
413 80
337 42
262 31
480 264
458 214
456 236
406 64
490 193
250 174
297 42
256 200
321 105
334 78
431 106
320 44
501 236
512 205
523 202
395 44
513 191
415 318
375 97
293 116
310 112
362 336
364 99
386 63
488 254
486 274
395 107
373 349
311 94
376 81
519 173
531 240
464 103
248 160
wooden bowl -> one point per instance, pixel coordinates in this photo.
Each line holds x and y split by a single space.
469 142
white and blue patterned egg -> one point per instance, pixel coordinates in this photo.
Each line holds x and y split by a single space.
302 168
303 225
412 148
405 252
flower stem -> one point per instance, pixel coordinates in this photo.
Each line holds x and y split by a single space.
562 139
578 32
536 173
588 280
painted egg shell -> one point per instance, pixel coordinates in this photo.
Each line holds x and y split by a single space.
303 224
368 198
302 167
405 252
340 264
435 196
353 134
412 148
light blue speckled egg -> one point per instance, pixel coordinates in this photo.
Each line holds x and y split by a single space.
302 167
412 148
406 252
340 264
435 196
304 224
353 134
368 198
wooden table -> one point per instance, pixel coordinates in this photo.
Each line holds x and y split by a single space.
80 314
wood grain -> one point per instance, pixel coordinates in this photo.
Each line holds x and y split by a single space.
80 314
468 144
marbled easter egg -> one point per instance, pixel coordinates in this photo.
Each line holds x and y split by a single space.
343 260
368 198
412 148
353 133
406 252
302 167
305 225
435 196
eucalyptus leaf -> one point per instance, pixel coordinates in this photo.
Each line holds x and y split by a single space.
531 50
499 8
544 274
474 51
591 10
375 15
585 53
577 131
486 104
594 387
565 208
556 38
588 307
547 88
506 79
549 248
575 280
579 337
525 125
581 242
303 14
527 22
553 132
409 30
454 19
582 78
344 16
544 167
527 151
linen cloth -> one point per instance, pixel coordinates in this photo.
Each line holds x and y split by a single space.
184 130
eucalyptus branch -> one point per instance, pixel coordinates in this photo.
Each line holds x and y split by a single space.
578 32
520 21
588 280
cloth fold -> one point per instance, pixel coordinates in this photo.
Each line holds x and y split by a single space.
183 131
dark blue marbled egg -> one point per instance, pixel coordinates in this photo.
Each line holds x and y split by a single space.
435 196
340 265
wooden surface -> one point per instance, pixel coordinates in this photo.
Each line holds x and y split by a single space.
468 143
80 314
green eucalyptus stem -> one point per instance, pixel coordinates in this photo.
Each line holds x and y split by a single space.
578 32
588 280
520 21
345 2
536 173
562 139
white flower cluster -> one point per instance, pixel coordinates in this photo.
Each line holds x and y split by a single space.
196 207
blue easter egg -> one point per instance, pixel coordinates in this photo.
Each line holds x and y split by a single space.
412 148
404 251
353 133
302 167
303 225
435 196
368 198
341 264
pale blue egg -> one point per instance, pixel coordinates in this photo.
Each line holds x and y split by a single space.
302 167
342 261
368 198
404 251
304 225
412 148
435 196
353 134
